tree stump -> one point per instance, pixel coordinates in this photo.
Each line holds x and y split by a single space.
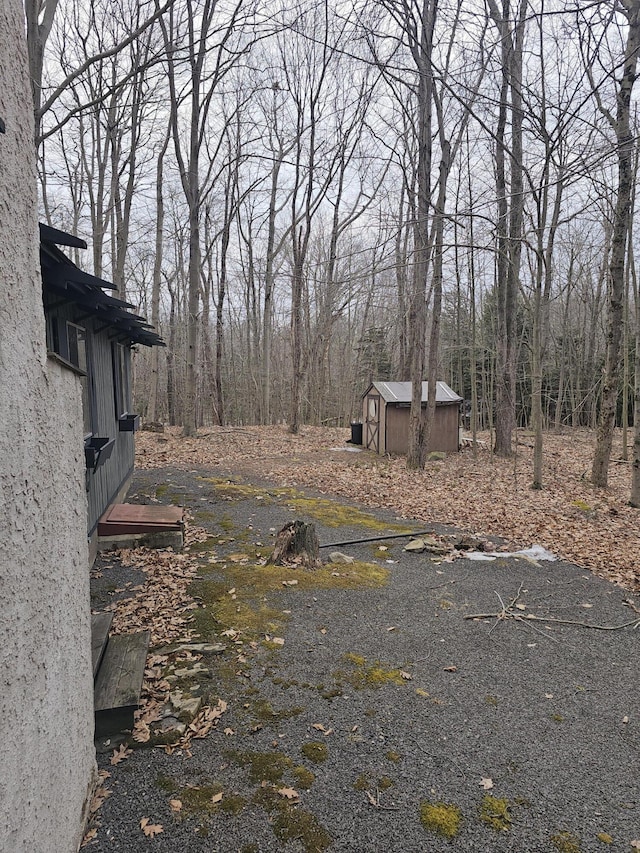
297 543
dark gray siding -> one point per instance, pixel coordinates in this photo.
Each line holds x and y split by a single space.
103 483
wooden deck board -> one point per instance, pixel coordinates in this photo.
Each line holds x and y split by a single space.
120 677
140 518
100 626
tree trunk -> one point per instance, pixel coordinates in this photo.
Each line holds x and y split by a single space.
625 145
297 544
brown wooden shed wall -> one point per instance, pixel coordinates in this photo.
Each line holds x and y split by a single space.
394 429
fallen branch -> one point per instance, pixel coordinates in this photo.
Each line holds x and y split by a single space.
507 612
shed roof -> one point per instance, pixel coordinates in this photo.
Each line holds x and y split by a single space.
63 279
400 392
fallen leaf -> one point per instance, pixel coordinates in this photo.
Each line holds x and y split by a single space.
229 731
290 583
277 641
406 675
486 783
521 606
422 692
120 754
89 836
450 668
175 805
141 732
392 628
288 793
635 844
625 719
150 829
217 798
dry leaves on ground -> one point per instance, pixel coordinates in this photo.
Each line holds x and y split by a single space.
592 527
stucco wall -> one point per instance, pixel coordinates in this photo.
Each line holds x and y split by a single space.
46 708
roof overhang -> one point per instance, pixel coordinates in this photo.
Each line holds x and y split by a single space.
64 281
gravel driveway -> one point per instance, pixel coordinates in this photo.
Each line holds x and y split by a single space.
386 721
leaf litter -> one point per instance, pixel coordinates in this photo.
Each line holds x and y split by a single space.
594 528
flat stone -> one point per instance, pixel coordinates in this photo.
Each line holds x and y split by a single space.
214 648
185 704
337 557
172 724
196 669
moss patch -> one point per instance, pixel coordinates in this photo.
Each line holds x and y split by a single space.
304 777
361 783
495 813
293 823
263 710
315 751
334 514
605 838
441 818
394 756
372 675
263 766
566 842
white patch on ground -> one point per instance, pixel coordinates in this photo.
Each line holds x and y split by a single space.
534 553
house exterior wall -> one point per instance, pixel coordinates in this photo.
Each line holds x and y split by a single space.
47 760
110 479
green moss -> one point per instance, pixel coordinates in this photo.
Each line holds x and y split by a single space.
581 505
441 818
232 803
331 693
263 710
557 718
197 799
495 813
491 700
334 514
384 783
394 756
162 490
566 842
177 498
263 766
605 838
304 777
361 783
290 822
445 604
166 783
296 824
205 515
371 675
249 848
226 523
315 751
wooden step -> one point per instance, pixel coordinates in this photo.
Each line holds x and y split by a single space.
119 682
100 627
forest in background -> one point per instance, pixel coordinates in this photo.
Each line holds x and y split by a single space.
303 197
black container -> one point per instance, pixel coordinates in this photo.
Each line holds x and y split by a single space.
356 433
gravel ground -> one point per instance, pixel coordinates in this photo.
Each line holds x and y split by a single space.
541 717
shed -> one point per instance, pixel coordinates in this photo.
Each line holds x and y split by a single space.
91 333
385 415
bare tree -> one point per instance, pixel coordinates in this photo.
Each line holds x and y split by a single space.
621 126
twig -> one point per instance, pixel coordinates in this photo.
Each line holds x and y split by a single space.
375 801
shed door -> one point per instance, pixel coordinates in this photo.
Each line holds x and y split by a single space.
372 424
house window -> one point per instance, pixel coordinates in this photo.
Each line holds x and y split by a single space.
120 379
77 354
